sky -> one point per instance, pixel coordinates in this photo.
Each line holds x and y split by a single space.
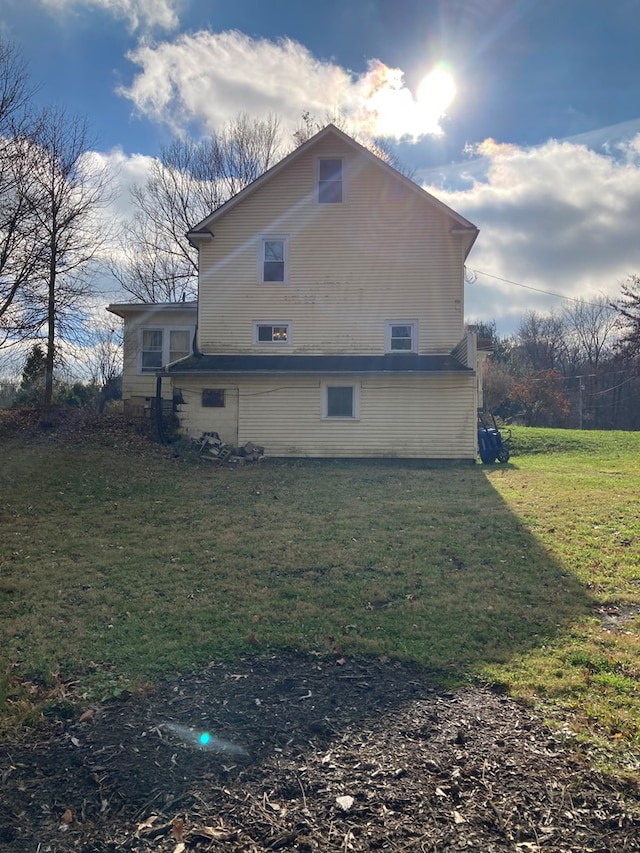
529 127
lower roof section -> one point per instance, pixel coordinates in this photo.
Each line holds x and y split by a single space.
316 364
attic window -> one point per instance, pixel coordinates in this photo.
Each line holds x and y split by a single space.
330 181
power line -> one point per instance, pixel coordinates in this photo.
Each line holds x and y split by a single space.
536 289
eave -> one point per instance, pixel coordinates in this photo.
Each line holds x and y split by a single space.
297 365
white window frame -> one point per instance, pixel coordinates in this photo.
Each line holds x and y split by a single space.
338 383
257 324
166 344
388 338
343 181
272 238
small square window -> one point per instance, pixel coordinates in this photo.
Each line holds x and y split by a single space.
330 181
401 336
213 398
340 401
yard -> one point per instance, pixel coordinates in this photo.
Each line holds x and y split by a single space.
394 656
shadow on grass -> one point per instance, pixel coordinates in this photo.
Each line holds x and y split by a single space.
423 564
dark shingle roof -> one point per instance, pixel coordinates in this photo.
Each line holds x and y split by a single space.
297 364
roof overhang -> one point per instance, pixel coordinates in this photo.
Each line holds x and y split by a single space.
132 309
316 365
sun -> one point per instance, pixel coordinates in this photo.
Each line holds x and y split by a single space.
436 91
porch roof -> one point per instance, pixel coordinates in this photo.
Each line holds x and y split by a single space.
315 364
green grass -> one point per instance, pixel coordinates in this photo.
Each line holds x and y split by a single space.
120 565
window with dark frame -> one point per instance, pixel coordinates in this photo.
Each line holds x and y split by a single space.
330 181
272 333
213 398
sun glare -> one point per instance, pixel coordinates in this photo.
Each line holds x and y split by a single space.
436 91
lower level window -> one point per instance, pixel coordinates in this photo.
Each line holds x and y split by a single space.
340 401
213 398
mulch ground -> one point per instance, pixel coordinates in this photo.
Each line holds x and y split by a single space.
307 754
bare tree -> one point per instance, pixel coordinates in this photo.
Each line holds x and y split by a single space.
19 240
379 146
541 342
66 191
593 327
188 182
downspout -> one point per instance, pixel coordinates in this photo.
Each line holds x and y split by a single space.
161 435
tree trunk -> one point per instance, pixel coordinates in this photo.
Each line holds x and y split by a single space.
51 328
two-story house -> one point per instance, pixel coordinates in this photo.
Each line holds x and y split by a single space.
330 314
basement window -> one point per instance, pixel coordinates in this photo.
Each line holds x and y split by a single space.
213 398
340 401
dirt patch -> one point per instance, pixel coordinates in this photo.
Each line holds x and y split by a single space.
307 754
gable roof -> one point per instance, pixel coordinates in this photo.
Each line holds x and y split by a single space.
202 229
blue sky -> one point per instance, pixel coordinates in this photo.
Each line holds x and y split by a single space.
540 146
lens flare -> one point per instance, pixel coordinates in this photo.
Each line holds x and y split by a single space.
202 740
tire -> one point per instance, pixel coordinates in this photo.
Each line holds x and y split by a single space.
503 455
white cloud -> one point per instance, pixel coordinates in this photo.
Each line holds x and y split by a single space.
561 218
206 78
140 14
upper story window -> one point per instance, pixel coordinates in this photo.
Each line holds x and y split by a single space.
401 336
273 259
271 333
330 180
162 346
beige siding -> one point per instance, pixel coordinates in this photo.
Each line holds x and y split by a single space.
400 416
386 253
138 387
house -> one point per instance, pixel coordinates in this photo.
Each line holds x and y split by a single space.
330 314
154 335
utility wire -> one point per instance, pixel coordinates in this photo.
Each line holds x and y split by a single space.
537 289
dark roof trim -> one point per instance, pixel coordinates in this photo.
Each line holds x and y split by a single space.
124 309
316 364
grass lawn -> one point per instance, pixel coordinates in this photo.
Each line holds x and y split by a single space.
120 566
